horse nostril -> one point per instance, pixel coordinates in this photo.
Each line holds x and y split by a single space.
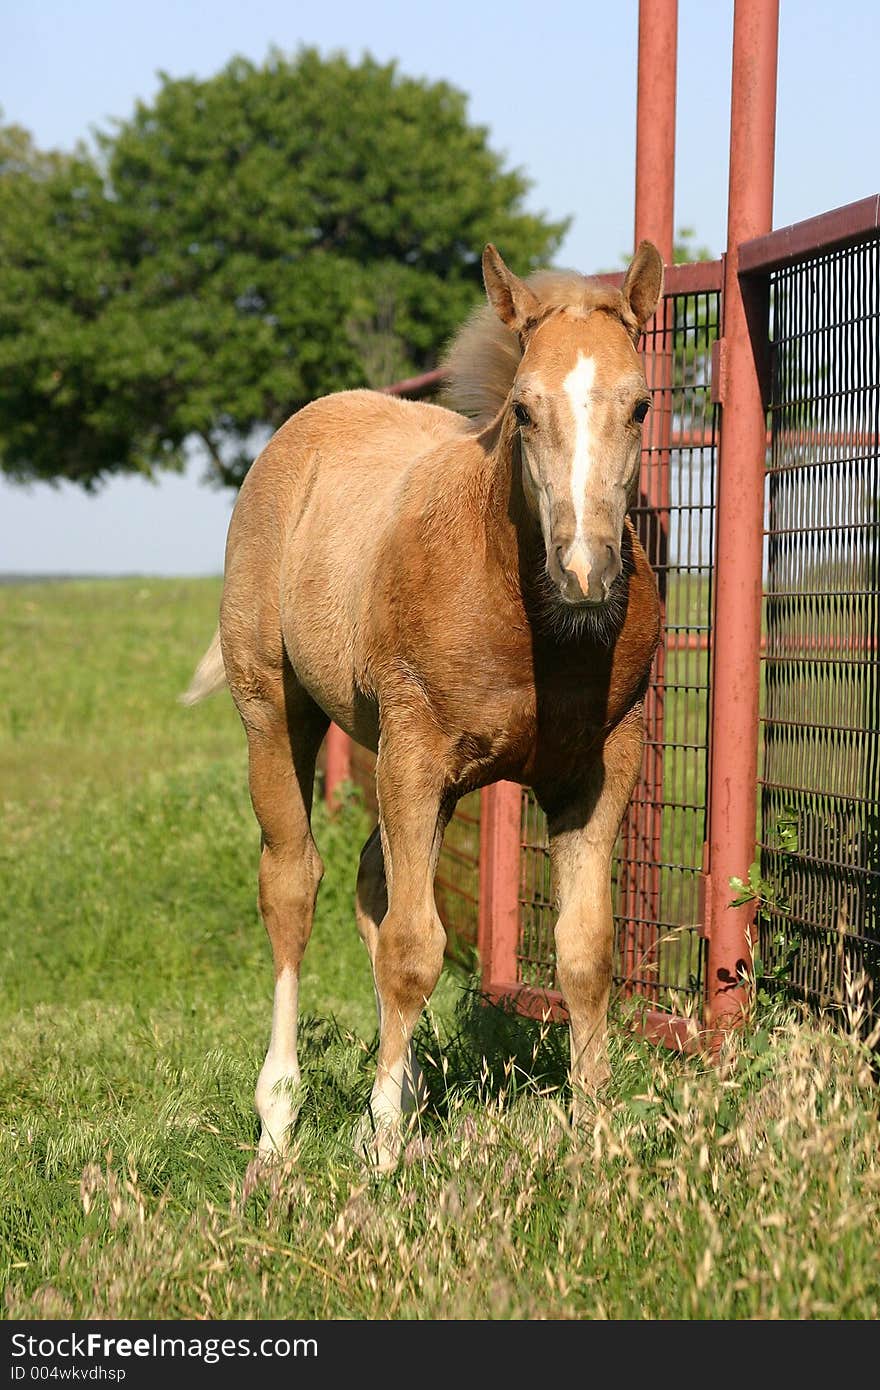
612 566
584 571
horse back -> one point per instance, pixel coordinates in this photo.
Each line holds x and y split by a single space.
312 515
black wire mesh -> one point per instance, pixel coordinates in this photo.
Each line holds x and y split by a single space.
457 882
657 895
820 784
536 957
819 815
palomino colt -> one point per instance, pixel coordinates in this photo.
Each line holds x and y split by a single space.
466 597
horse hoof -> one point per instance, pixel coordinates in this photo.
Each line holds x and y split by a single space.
273 1144
588 1099
379 1146
278 1119
277 1102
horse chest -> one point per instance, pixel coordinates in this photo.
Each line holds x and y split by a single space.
507 717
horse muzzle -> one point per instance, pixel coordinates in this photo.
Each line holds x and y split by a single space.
584 571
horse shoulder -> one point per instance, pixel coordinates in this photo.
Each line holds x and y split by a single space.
447 642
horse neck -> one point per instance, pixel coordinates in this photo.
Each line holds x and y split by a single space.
515 543
513 532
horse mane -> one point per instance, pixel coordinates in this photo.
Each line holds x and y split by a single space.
481 361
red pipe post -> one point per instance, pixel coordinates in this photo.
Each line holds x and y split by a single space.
338 764
739 542
654 221
655 124
500 847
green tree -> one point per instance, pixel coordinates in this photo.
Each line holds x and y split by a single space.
236 248
58 415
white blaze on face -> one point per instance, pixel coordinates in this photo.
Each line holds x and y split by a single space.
577 386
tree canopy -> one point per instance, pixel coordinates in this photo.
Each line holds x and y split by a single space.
234 249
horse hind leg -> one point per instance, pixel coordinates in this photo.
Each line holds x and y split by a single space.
283 748
371 905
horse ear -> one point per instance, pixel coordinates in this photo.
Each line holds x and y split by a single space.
511 298
643 283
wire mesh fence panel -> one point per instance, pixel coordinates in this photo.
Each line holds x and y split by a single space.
658 899
457 882
656 873
536 954
820 783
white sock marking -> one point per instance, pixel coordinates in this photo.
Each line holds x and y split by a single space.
280 1073
386 1101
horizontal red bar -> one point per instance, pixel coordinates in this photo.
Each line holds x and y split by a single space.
786 647
415 385
829 232
696 277
530 1001
668 1030
790 439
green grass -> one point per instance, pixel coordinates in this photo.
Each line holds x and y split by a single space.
136 987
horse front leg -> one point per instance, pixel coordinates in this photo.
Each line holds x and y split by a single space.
582 836
371 905
407 951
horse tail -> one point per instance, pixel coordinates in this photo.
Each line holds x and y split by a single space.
209 676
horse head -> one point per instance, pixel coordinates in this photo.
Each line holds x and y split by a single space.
576 408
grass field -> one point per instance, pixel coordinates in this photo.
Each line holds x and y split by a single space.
136 986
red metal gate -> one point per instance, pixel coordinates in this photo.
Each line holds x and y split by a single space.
795 572
819 931
658 906
818 924
816 659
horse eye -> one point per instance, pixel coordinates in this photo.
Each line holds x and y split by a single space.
641 411
521 415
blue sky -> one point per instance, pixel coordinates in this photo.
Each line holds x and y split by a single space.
555 84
